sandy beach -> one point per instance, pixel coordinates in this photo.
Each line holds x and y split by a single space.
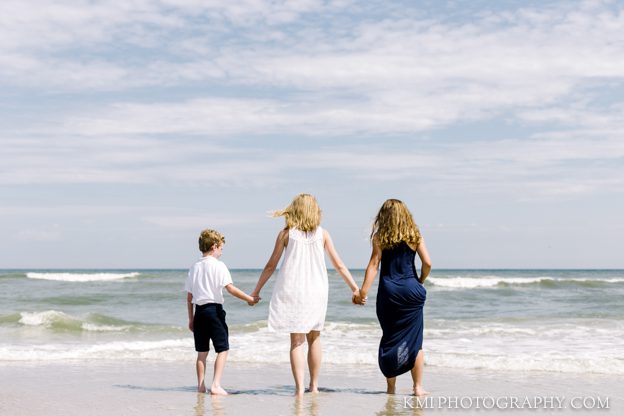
129 388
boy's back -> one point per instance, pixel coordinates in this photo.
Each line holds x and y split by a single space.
206 279
204 284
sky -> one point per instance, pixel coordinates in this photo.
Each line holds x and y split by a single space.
128 127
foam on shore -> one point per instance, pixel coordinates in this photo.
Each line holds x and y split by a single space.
81 277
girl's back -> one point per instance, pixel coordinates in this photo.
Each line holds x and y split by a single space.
398 262
304 257
299 300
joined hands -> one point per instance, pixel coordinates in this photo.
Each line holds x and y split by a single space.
256 299
358 299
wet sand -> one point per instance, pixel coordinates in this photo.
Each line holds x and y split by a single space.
149 388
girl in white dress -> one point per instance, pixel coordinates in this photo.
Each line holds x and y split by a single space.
299 300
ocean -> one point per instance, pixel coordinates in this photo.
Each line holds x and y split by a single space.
563 321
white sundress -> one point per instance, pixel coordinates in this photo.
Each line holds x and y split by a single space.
299 300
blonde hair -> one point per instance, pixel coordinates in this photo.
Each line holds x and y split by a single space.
209 239
394 223
303 213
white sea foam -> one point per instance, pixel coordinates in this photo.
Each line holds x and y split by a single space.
343 343
167 350
46 318
104 328
60 320
261 347
545 347
493 281
613 280
471 282
490 329
80 277
528 346
560 363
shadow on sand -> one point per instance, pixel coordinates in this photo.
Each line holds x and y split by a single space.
283 390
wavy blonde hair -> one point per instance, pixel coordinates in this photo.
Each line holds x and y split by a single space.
394 223
303 213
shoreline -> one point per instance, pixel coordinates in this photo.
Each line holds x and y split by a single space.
167 388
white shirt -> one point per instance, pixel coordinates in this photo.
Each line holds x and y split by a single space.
206 279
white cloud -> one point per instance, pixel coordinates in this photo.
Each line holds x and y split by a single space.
129 160
563 163
196 221
526 168
390 76
53 26
577 116
64 210
51 233
520 57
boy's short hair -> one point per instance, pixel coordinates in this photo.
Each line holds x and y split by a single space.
209 239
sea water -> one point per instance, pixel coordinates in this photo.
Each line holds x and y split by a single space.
566 321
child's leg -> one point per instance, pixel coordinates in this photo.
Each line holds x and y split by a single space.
200 366
314 358
391 383
219 365
417 374
297 361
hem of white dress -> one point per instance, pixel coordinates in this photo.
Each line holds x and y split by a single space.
293 331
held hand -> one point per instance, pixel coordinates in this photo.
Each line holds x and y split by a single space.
190 325
255 299
358 299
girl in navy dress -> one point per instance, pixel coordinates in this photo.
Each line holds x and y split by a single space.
401 295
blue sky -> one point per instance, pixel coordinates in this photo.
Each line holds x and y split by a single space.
127 127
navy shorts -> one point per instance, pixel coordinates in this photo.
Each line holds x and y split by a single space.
209 324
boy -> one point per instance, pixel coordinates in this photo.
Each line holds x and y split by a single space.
204 285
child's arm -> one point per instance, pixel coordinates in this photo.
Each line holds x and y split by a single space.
189 307
425 260
371 273
280 243
338 264
236 292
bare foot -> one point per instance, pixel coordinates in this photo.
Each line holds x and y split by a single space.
313 389
299 393
419 391
218 391
201 388
391 382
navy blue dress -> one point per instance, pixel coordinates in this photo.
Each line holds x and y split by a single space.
400 301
